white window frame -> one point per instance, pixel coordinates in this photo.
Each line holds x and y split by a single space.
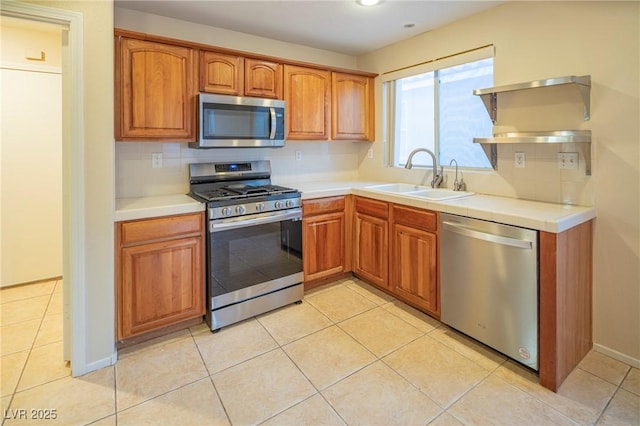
389 95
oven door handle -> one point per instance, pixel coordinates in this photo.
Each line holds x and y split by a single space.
293 214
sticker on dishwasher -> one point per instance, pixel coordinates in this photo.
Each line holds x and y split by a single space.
524 353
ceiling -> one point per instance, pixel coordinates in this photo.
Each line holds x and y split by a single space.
337 25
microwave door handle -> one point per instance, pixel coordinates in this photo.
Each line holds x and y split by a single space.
272 134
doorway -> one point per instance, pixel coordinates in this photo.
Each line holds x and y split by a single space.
73 222
31 151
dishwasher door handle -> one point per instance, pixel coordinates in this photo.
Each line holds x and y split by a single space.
492 238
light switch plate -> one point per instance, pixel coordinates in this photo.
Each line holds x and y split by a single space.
370 153
519 160
298 155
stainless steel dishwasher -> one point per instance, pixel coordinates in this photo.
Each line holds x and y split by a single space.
489 284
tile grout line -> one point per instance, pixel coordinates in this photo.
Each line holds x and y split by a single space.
206 367
618 387
168 391
376 357
24 366
318 391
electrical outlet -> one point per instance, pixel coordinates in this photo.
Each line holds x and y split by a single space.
370 153
519 160
568 160
156 160
298 155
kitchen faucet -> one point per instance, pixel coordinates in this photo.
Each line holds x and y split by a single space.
437 178
458 185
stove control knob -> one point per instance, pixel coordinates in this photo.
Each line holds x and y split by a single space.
226 211
240 210
279 205
260 207
290 203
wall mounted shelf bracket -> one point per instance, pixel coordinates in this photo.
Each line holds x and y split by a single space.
489 95
580 137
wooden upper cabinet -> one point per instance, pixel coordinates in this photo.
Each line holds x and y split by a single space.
220 73
307 92
262 79
352 107
155 91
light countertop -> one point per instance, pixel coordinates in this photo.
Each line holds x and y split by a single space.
161 205
537 215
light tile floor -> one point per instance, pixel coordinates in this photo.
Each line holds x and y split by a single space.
349 354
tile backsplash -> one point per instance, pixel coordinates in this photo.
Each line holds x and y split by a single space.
540 180
320 161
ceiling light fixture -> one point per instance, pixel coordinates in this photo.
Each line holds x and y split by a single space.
368 2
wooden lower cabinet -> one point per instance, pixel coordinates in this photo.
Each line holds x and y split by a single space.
325 244
414 257
566 277
371 251
395 247
160 273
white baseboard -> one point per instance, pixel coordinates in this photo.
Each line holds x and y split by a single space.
96 365
634 362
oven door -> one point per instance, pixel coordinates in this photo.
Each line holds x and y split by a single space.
251 257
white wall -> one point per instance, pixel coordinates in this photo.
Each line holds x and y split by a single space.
31 195
320 160
535 40
98 289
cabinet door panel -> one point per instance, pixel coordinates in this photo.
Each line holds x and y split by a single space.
371 248
161 284
323 205
352 107
415 218
414 266
157 89
323 246
220 73
263 79
307 92
162 227
372 207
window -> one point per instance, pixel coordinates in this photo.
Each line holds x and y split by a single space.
436 109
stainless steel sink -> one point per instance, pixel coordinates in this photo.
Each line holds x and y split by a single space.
419 191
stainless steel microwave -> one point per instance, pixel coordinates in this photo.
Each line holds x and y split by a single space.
239 122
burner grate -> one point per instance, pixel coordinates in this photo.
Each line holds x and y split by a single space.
242 191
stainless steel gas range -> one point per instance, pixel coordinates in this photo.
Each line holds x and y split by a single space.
254 240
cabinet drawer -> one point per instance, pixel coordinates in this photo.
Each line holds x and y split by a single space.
415 218
161 228
372 207
322 205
